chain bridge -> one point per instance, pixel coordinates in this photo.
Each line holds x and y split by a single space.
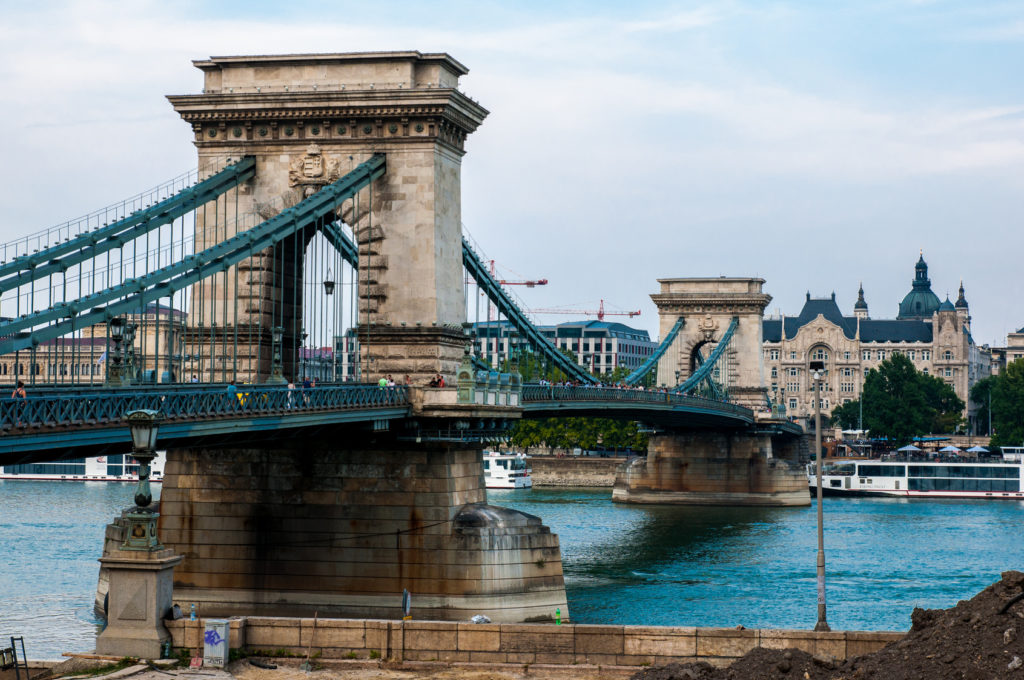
289 307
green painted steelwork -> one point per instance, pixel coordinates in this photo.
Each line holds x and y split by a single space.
59 258
517 318
133 294
704 371
645 368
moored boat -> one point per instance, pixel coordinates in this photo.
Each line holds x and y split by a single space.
917 477
116 468
506 471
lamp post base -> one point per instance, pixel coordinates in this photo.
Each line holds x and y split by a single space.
141 592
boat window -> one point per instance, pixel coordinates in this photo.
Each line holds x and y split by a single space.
881 470
964 471
519 464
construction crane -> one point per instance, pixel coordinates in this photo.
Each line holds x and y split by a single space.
600 313
527 283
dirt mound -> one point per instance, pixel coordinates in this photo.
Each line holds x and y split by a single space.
757 664
978 639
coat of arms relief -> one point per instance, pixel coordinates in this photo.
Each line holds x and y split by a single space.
312 171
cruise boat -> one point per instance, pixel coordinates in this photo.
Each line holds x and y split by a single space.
506 471
917 477
117 468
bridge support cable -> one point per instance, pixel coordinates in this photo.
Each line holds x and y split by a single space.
133 294
501 299
704 371
645 368
60 257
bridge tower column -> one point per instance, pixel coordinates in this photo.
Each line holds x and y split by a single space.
308 119
708 306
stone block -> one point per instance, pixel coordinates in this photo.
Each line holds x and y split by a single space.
725 642
828 644
485 637
657 640
349 634
431 635
866 642
536 638
272 633
599 640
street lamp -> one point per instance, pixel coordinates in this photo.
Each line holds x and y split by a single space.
114 370
329 283
817 371
276 374
141 534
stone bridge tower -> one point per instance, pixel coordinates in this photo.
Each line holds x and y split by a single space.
708 306
308 119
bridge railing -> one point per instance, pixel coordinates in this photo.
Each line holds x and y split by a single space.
551 393
84 408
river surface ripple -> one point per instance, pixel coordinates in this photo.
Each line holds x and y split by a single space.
652 565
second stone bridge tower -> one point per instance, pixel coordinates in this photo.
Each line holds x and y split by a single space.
309 119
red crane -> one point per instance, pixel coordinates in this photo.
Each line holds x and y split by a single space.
599 312
527 283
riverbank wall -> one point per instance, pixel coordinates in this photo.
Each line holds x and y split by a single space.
454 642
574 471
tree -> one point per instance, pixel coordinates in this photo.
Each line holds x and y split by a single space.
981 394
900 403
585 433
1008 405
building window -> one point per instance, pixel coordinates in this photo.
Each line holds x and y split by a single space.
846 387
881 355
794 371
792 387
775 372
846 356
947 355
949 373
926 355
819 355
792 404
847 372
912 354
865 355
773 354
792 355
925 370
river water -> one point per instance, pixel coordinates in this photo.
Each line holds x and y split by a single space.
657 565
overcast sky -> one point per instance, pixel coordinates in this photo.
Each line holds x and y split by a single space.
815 144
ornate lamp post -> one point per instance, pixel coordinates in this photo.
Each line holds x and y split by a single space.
115 371
129 354
141 535
276 374
140 571
817 371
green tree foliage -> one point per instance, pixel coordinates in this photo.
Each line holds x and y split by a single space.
1008 405
901 403
585 433
981 392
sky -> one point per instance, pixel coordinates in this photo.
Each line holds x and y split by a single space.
814 144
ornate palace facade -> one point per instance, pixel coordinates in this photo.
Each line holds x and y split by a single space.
934 335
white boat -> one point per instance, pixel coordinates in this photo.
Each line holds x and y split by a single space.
117 468
506 471
920 477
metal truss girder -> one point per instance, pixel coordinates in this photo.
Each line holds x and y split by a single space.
88 419
342 243
705 369
61 257
135 293
635 377
516 316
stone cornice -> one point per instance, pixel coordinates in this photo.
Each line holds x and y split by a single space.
703 300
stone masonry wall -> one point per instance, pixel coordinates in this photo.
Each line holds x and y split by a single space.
342 531
446 641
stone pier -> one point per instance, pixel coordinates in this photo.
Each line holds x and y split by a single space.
712 469
342 529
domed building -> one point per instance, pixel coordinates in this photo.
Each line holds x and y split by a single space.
935 335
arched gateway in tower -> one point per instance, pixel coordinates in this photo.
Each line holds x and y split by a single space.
708 307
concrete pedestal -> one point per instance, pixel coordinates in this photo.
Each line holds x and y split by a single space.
140 595
711 469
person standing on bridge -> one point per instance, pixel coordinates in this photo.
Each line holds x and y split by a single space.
19 406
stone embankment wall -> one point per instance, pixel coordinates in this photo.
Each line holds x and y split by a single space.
574 470
448 641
